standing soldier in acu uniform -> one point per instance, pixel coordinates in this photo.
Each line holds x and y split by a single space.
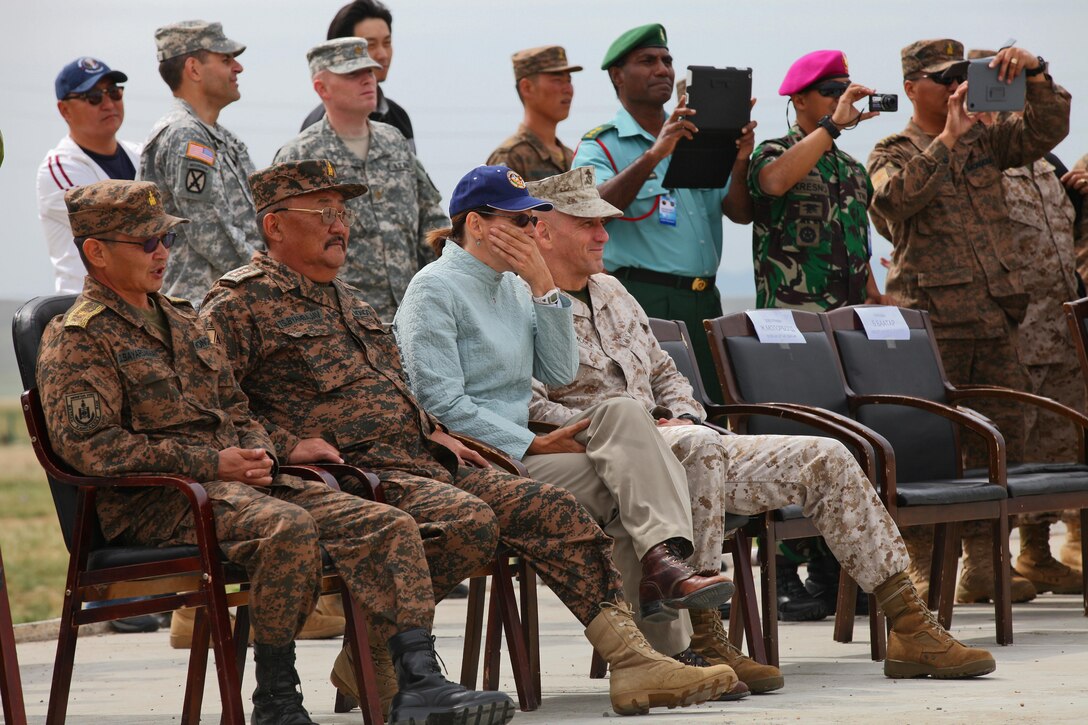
201 166
938 197
810 239
132 382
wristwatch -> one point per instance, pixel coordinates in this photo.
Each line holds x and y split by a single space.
829 126
549 299
1041 68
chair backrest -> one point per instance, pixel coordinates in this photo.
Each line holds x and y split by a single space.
674 338
27 327
755 372
925 444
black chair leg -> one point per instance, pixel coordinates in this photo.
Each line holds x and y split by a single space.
1002 581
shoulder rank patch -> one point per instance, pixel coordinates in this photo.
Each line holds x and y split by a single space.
82 313
241 274
84 411
595 132
200 152
178 301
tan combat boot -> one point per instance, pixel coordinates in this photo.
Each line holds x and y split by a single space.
181 628
919 541
917 645
1038 566
1070 554
712 642
641 677
976 582
343 673
326 621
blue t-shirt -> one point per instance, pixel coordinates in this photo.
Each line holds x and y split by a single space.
117 165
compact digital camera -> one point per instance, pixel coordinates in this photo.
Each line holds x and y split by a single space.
883 102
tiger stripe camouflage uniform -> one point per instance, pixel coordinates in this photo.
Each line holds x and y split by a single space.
810 246
620 357
120 396
316 361
391 222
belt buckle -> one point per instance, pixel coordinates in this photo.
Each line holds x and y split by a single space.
698 284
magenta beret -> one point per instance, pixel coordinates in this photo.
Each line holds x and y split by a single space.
813 67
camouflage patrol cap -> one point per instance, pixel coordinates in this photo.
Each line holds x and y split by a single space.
295 178
931 56
114 205
575 193
545 59
341 55
189 36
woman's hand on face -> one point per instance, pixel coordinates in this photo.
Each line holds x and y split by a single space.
518 249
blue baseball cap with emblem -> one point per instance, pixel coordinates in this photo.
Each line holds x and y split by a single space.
497 187
82 74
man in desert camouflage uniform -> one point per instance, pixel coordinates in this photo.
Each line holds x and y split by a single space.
324 374
391 221
939 199
810 235
542 80
132 382
1077 180
620 358
200 166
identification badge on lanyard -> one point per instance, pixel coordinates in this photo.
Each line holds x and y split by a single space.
666 210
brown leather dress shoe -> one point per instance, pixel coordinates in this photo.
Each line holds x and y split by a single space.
669 584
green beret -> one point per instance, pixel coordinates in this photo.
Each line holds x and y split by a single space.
644 36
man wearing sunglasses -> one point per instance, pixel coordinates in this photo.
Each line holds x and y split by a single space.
200 166
92 104
939 198
391 223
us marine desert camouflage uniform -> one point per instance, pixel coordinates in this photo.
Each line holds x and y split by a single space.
120 397
955 251
810 246
391 223
619 357
317 362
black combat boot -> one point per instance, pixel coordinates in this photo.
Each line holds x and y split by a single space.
823 583
278 697
426 697
794 603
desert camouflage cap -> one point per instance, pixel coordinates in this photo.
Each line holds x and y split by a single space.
977 53
545 59
192 35
115 205
574 192
294 178
931 56
342 55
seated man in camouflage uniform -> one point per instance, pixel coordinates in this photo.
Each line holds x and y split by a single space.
619 357
324 374
159 396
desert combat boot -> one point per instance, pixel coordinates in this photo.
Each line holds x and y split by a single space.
344 679
976 583
918 646
641 677
1038 565
1070 554
711 641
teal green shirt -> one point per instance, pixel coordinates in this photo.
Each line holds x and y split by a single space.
692 248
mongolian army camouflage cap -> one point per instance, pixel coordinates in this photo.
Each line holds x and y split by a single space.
295 178
342 55
114 205
574 192
189 36
545 59
931 56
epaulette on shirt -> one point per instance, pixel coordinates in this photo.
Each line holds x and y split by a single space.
595 132
241 274
178 301
82 313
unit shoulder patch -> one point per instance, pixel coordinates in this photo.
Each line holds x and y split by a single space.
82 313
200 152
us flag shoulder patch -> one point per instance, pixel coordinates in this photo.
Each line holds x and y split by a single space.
200 152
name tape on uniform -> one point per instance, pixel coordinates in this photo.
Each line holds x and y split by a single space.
775 326
883 323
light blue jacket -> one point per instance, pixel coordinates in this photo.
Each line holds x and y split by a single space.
472 340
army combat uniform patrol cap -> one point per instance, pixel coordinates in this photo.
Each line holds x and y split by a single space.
545 59
189 36
295 178
931 56
644 36
575 193
128 207
342 55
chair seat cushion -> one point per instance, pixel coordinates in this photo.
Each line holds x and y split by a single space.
932 493
789 513
111 556
736 521
1036 479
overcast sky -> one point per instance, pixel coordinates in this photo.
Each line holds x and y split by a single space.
452 73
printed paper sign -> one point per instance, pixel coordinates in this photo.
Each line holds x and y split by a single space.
883 323
775 326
